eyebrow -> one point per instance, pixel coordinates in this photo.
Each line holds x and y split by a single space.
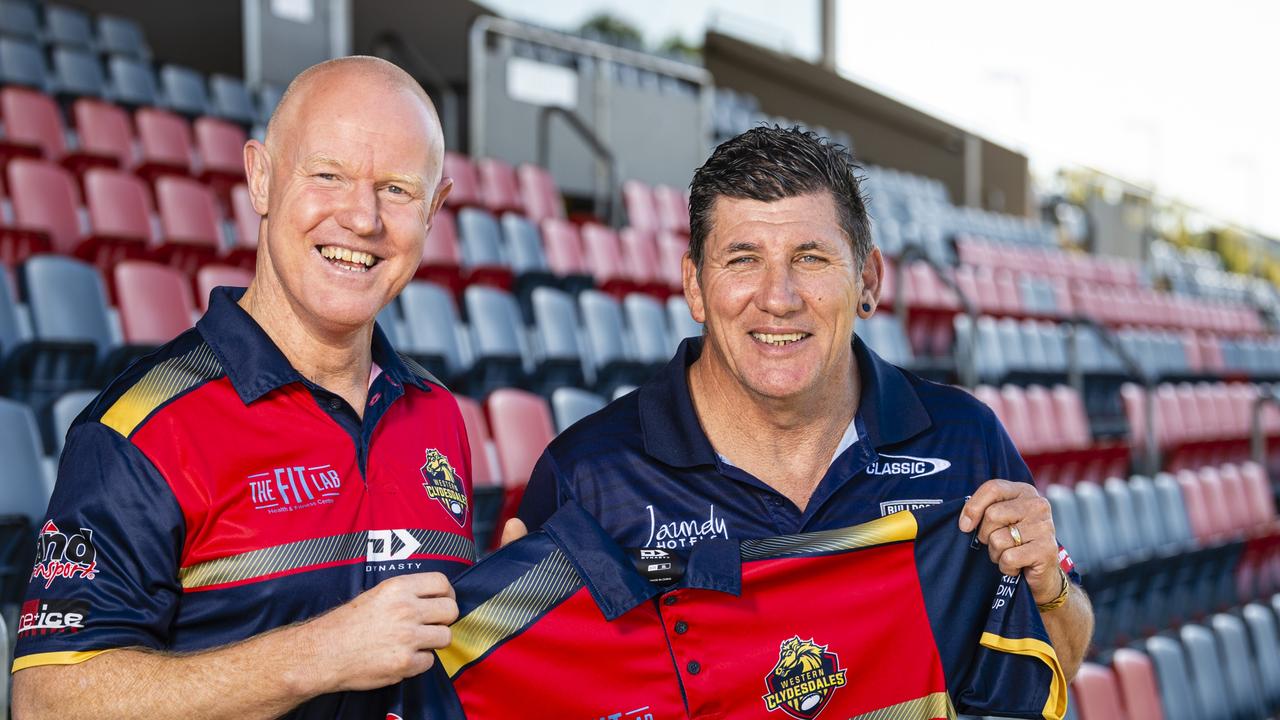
398 178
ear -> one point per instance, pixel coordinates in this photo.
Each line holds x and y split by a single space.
257 169
442 192
872 281
692 289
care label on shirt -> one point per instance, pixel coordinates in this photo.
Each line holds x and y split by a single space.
656 565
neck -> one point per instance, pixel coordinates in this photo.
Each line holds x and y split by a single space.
337 360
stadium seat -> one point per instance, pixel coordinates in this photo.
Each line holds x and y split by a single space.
431 327
65 411
184 90
189 223
486 478
570 404
133 83
1177 694
154 301
565 257
105 130
522 427
611 361
499 188
603 252
244 252
209 277
24 500
18 19
671 249
31 123
268 99
555 330
220 147
640 256
1097 693
120 212
523 245
45 199
642 210
466 181
680 321
1069 526
123 36
482 249
647 320
1139 692
1208 673
441 253
541 197
672 209
22 63
1239 666
64 25
496 340
77 72
229 99
1266 645
165 140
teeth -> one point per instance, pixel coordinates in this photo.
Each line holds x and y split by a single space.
781 339
355 257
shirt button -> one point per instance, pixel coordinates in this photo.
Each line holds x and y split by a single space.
669 600
335 404
682 627
694 667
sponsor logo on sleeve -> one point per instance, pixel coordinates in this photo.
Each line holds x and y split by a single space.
912 467
64 555
803 681
52 616
296 487
442 485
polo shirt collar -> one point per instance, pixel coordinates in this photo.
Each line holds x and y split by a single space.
614 584
252 361
890 408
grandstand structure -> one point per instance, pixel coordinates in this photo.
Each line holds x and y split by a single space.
1140 390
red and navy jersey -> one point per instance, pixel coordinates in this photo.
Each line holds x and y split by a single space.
904 616
211 493
644 468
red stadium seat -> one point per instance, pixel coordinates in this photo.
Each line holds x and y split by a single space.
991 397
220 146
189 221
563 246
642 209
1017 419
120 212
1097 693
542 199
1221 515
1074 422
166 143
1137 681
672 209
154 302
671 249
640 254
604 257
498 186
105 131
45 199
32 125
483 473
522 427
247 221
1044 421
441 255
466 181
209 277
1258 490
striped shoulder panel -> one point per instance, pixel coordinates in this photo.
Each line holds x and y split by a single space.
416 368
897 527
504 615
165 381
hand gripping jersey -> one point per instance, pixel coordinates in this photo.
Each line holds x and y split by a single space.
901 617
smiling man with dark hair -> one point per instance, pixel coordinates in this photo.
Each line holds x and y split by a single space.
779 419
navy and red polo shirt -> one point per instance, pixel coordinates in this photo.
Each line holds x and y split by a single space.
211 493
904 616
644 468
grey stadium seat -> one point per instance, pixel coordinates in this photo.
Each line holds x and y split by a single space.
22 63
680 321
496 340
67 26
229 99
480 238
122 36
65 410
1067 523
1012 344
1131 542
884 335
78 72
607 353
67 300
569 405
392 326
19 19
132 81
431 329
184 90
648 325
1266 648
24 495
555 332
1241 668
1176 692
1208 679
523 249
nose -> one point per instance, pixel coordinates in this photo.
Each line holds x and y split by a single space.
777 294
359 211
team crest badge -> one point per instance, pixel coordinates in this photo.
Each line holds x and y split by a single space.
803 681
442 485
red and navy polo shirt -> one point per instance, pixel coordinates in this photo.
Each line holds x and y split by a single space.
211 493
644 468
904 616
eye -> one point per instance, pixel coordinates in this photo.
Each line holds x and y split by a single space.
327 177
741 260
810 259
397 190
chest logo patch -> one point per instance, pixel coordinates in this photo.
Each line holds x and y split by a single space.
804 679
913 467
443 486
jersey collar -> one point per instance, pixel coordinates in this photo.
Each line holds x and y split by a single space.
613 582
890 408
253 363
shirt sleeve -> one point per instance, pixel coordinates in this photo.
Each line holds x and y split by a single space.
545 493
105 573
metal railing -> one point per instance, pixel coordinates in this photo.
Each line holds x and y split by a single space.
607 166
1258 433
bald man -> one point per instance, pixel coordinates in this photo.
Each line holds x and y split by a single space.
261 518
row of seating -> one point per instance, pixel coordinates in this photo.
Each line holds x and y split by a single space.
1154 553
54 24
1201 273
1199 423
1051 261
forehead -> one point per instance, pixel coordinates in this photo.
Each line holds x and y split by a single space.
809 217
386 131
